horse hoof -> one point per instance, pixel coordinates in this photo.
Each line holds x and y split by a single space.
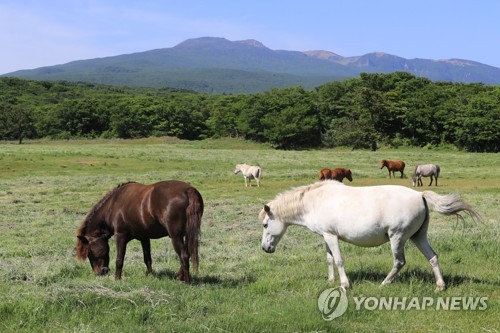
440 288
346 286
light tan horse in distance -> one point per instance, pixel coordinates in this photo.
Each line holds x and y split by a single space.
249 172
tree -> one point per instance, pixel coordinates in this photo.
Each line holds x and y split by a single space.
291 120
16 122
478 128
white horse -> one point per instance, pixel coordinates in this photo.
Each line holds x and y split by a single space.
425 170
363 216
249 172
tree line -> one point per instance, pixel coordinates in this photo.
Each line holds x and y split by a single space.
375 109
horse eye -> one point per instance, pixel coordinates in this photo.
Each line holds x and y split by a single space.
265 225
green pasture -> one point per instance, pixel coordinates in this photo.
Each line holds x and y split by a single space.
47 188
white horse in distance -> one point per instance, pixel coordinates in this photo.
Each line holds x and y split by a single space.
363 216
249 172
425 170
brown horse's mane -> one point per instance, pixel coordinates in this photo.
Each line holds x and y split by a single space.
97 206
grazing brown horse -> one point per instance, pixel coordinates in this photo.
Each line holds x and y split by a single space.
393 166
144 212
337 174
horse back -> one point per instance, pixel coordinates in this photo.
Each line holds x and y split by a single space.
399 165
325 174
385 206
151 211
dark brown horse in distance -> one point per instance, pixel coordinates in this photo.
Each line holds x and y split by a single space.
336 174
144 212
393 166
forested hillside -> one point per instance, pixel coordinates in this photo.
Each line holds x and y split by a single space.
219 66
366 112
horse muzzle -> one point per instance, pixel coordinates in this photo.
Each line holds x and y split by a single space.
103 271
268 248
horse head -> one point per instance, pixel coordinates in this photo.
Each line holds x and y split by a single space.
414 176
273 229
237 169
348 174
383 164
97 250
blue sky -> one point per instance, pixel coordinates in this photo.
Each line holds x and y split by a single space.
36 33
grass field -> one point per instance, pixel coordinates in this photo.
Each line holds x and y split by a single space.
47 188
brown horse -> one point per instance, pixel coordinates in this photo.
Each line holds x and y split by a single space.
393 166
337 174
144 212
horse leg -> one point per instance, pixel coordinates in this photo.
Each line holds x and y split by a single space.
146 250
246 184
330 261
181 249
402 174
332 242
420 240
431 181
398 253
420 183
121 247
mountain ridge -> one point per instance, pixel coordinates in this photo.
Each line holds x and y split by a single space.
217 65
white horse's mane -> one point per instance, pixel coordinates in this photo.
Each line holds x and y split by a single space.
289 204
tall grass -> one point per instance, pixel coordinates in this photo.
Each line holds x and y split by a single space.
46 188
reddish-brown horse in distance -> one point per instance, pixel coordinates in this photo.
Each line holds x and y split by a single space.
393 166
144 212
336 174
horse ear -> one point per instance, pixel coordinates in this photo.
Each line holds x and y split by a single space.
82 248
83 239
267 209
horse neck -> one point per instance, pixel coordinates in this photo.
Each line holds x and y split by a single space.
97 214
289 208
93 221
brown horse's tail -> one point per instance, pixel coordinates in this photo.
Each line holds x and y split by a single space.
194 212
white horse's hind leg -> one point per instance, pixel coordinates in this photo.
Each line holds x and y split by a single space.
398 253
420 240
332 242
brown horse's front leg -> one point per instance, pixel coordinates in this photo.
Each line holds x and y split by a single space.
146 250
121 247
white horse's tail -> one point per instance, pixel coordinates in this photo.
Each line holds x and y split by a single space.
258 173
450 204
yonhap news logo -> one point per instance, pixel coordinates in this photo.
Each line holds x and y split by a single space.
333 303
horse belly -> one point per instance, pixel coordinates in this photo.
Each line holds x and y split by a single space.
157 231
364 238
